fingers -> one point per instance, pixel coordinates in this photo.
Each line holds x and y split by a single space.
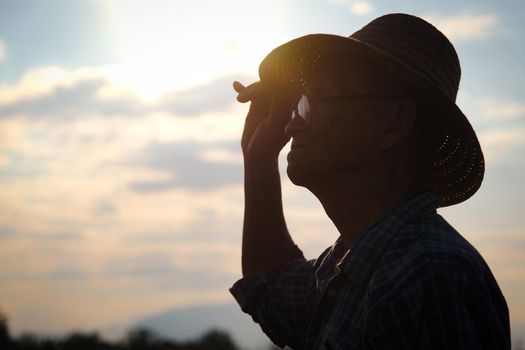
238 87
248 93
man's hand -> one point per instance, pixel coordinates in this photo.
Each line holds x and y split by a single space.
263 136
266 244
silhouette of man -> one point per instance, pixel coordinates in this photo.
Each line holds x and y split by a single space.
378 139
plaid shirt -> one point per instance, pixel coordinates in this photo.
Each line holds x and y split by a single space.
411 282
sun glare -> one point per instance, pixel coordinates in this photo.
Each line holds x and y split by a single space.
170 45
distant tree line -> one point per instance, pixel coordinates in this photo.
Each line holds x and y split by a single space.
138 339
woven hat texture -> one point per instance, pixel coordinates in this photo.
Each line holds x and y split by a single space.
417 53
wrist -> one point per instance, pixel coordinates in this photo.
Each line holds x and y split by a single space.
261 162
266 169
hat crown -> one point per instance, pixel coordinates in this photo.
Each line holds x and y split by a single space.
418 45
418 53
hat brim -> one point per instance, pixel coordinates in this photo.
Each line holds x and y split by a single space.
294 63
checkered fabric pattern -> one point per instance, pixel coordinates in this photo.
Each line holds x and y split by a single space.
411 282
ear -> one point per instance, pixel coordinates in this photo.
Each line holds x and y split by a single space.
399 121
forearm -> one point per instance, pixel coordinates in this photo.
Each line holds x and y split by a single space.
266 243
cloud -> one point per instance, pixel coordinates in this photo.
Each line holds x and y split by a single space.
68 273
119 176
14 232
78 99
192 165
20 165
3 54
221 155
499 142
55 92
465 26
359 8
104 207
362 8
340 2
216 95
40 81
7 232
499 123
55 236
500 110
75 100
142 265
160 267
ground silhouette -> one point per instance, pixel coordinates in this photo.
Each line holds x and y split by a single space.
136 339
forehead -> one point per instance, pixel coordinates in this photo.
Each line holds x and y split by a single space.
352 74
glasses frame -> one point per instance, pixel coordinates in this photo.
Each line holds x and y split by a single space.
312 103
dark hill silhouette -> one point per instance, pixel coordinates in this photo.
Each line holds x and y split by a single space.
190 322
141 337
137 339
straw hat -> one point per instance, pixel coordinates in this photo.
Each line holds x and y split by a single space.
418 53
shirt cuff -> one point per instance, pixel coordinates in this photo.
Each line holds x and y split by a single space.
249 290
251 293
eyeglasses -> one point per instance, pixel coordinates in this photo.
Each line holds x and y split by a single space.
306 104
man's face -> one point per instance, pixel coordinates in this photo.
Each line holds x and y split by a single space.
341 136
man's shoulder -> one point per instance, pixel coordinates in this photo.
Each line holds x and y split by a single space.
429 247
441 244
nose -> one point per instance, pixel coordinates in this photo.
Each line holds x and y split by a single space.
295 126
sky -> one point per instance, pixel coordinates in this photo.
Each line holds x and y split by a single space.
120 168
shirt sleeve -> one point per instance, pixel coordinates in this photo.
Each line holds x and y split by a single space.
281 303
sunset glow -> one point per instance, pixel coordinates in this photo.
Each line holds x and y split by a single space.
121 180
164 46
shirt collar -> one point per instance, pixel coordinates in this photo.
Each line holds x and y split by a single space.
361 260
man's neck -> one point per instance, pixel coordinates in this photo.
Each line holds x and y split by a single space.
355 203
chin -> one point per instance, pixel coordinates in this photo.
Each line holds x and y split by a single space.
301 175
306 169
